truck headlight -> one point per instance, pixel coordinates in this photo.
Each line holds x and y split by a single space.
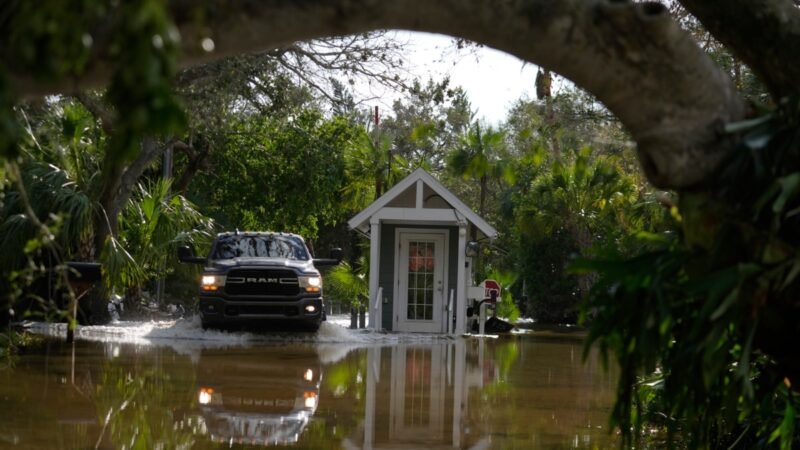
310 399
310 284
212 283
205 395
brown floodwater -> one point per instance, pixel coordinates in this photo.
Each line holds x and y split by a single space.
513 392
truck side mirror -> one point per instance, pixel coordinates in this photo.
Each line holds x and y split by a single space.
336 258
186 255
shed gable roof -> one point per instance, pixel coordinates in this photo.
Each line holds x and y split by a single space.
363 217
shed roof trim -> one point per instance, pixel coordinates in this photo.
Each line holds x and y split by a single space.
363 217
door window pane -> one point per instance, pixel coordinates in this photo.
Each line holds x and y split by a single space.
421 266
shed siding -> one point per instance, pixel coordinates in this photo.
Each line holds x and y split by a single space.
386 273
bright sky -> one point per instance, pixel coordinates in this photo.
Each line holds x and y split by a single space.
492 79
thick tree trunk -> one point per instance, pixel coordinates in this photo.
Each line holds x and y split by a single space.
197 152
765 34
105 219
632 56
118 183
118 180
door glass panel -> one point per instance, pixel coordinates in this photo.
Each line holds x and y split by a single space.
421 264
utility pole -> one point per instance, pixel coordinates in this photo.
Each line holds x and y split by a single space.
388 155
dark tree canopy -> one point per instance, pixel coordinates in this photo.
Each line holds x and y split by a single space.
663 88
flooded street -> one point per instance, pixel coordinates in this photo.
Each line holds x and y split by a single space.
172 385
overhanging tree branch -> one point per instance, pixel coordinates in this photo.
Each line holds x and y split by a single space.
632 57
765 34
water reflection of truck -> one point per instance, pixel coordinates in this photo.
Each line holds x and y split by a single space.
249 399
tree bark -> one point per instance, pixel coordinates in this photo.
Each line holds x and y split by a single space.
632 57
197 152
765 34
118 183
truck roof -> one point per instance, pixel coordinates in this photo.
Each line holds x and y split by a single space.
258 233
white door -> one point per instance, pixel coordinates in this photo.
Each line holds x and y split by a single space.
420 284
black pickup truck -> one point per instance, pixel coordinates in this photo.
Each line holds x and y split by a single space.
258 277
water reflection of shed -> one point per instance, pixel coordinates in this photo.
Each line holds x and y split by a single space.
421 398
419 270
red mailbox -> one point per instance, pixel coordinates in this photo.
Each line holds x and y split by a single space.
491 290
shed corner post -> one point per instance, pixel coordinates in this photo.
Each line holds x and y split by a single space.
460 306
374 263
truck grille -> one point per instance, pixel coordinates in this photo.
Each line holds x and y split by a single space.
275 310
262 282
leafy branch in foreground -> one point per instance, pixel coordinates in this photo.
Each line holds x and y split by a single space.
708 315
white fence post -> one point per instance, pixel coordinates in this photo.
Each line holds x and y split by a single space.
375 322
482 318
449 311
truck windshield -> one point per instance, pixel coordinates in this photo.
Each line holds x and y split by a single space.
262 246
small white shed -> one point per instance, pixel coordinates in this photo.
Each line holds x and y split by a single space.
419 268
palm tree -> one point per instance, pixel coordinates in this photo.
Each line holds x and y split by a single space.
153 224
371 169
348 284
47 217
585 198
59 176
60 183
479 158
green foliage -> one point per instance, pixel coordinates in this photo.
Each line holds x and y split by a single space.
371 169
59 174
582 196
8 348
36 267
120 268
348 284
570 207
140 88
572 119
713 307
52 40
39 42
12 343
479 157
427 124
153 224
550 293
52 198
478 154
279 175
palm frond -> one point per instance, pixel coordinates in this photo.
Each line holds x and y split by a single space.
120 268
